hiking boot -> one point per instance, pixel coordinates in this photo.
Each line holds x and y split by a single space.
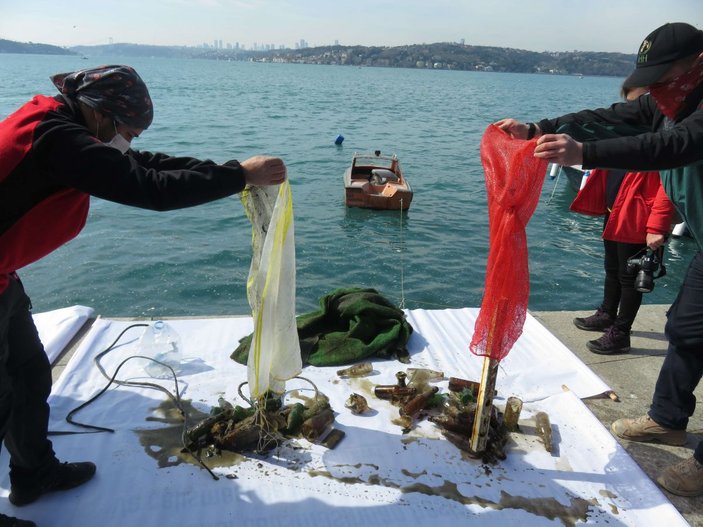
9 521
646 429
684 478
598 321
64 476
613 341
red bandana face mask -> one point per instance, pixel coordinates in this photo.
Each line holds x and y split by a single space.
671 95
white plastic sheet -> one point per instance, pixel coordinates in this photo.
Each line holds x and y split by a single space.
57 328
376 476
274 355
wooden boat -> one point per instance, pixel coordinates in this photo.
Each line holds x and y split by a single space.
374 181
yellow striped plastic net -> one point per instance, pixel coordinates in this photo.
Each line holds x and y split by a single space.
275 350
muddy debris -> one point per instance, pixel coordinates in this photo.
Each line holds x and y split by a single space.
453 412
262 427
357 404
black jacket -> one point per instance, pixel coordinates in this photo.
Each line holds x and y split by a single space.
50 164
647 139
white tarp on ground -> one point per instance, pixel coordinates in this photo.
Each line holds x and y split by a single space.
375 476
57 328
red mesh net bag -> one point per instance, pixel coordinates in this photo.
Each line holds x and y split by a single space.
514 180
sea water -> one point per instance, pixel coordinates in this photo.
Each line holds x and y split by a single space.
132 262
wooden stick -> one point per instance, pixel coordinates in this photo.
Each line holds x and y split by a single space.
484 405
486 390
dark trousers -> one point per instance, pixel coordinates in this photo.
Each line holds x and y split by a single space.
673 402
25 384
620 298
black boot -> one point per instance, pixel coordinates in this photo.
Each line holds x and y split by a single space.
62 476
9 521
614 340
598 321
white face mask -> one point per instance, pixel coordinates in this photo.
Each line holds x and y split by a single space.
119 142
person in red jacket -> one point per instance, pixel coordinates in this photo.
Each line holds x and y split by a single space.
56 152
638 215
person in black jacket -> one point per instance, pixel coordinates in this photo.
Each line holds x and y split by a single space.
56 152
662 130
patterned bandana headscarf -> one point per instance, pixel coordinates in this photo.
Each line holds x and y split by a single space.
116 91
670 96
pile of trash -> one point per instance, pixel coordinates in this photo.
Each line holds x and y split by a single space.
264 425
453 412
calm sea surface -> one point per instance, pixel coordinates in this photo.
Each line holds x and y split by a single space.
130 262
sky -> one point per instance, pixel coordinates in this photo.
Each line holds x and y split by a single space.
535 25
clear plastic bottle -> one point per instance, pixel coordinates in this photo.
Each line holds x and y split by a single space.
161 342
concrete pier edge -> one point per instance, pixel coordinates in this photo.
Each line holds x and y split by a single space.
632 377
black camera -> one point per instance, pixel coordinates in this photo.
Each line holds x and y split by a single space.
645 266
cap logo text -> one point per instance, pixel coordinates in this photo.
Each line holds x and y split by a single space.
644 50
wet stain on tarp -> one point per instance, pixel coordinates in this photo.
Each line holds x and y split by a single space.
607 494
550 508
165 444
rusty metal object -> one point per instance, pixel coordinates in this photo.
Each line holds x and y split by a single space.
252 434
393 392
459 385
417 403
460 423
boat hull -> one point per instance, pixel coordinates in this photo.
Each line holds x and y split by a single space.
362 193
358 197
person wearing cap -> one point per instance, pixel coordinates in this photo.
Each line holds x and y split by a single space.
662 131
56 152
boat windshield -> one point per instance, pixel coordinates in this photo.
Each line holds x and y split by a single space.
373 161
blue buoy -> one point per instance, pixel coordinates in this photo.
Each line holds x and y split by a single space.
339 140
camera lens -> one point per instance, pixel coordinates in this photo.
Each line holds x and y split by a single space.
644 282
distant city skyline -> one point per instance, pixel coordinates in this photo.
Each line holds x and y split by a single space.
539 25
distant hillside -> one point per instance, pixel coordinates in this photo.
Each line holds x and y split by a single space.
10 46
443 55
460 57
136 50
433 56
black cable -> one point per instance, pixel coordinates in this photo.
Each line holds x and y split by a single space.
113 380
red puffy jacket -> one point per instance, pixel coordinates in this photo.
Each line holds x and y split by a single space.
641 206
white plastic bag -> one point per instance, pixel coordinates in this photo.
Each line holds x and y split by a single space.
274 354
